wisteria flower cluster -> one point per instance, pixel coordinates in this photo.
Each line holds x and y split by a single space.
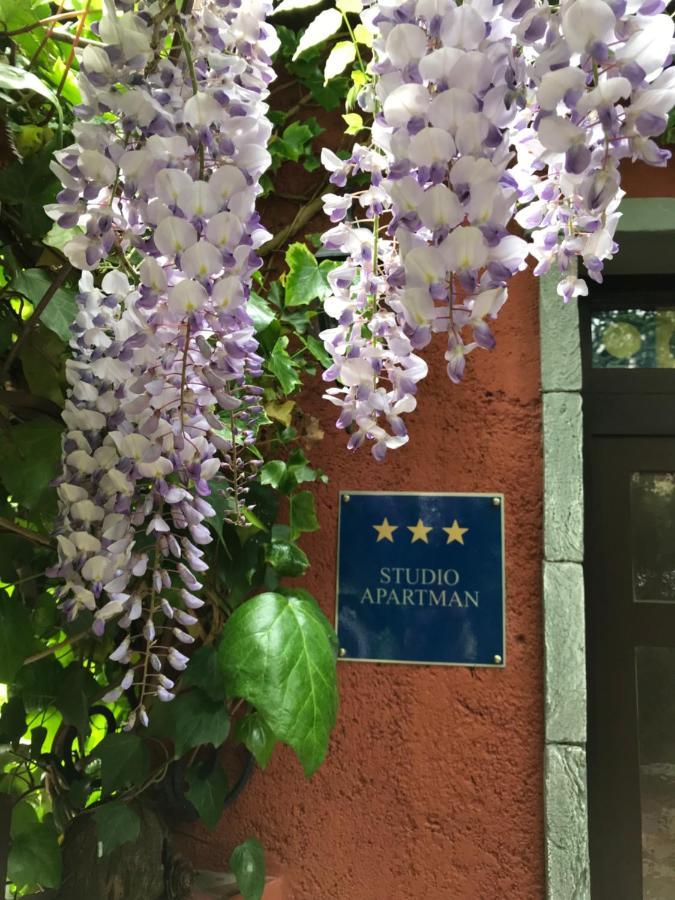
600 92
485 113
162 182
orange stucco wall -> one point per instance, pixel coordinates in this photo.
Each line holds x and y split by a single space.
432 789
433 784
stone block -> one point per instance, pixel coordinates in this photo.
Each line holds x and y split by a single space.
563 478
565 653
567 868
560 342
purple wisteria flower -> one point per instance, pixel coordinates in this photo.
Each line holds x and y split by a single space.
162 184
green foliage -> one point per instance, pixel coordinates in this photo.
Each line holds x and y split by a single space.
116 824
124 761
55 673
278 653
248 864
207 791
35 856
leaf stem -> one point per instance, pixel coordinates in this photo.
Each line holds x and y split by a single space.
50 651
8 525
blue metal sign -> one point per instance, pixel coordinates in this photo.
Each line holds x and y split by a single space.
421 578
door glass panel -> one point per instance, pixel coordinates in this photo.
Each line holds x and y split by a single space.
655 670
633 339
653 536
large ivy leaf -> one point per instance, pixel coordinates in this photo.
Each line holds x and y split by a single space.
278 653
35 855
16 636
124 761
207 792
60 311
306 279
342 55
30 455
303 514
248 864
198 720
280 364
324 26
116 824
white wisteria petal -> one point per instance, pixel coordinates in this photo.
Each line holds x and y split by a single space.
201 260
558 134
406 44
187 297
449 108
463 27
425 265
201 110
431 145
224 229
587 21
406 102
174 235
555 84
439 207
465 249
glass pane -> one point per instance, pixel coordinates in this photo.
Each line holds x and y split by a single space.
633 339
655 669
653 536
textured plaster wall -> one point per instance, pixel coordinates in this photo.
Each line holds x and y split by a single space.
433 785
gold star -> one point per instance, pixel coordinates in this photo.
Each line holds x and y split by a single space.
385 531
419 532
455 532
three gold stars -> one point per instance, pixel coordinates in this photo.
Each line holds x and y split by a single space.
419 532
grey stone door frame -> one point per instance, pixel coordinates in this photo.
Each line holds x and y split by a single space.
647 238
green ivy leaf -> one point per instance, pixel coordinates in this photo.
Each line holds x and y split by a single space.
287 559
248 864
292 5
342 55
260 311
204 672
303 514
198 720
306 279
35 855
124 761
12 721
207 793
316 348
277 652
116 824
73 696
256 737
61 310
16 636
319 30
281 365
273 472
30 455
293 143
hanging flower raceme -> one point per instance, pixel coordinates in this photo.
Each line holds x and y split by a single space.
444 99
601 93
163 179
486 112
